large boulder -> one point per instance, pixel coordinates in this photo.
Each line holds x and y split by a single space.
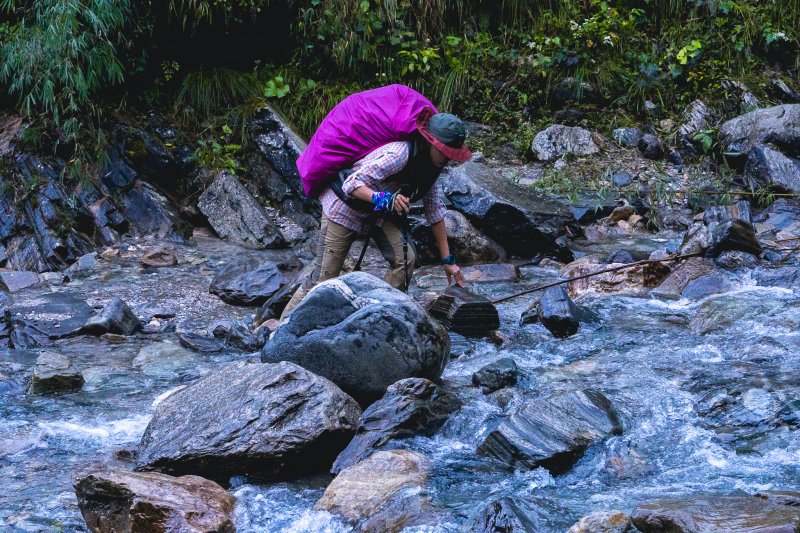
552 432
674 284
466 243
270 421
736 235
713 513
116 501
250 281
557 312
557 141
237 216
637 279
410 407
521 220
362 334
15 281
767 166
779 125
384 492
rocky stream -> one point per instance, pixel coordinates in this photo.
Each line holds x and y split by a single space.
148 385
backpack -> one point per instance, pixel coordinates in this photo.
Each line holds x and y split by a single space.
358 125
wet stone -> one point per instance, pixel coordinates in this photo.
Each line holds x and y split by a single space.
732 260
465 312
603 522
490 272
412 406
621 178
494 376
200 343
264 420
706 285
116 317
116 501
15 281
557 312
164 359
159 257
384 492
736 235
552 432
628 137
54 373
251 281
677 281
620 256
715 513
505 516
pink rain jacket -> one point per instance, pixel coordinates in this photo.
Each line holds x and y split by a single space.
358 125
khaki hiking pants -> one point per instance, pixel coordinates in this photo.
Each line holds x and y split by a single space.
334 245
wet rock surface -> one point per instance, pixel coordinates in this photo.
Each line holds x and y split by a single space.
382 493
264 420
712 513
604 522
465 242
237 216
779 125
412 406
505 516
495 376
556 311
361 334
520 220
54 373
552 432
465 312
115 317
117 501
251 281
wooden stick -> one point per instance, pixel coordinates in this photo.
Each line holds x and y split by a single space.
604 271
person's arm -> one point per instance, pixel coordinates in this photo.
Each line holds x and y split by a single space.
435 212
385 161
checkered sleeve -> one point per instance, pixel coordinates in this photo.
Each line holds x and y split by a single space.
385 161
433 204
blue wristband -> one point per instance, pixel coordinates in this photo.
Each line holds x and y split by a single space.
382 202
449 260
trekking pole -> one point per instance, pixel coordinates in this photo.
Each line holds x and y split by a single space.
366 244
404 226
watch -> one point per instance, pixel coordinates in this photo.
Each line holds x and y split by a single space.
449 260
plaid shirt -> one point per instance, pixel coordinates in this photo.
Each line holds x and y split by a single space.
373 170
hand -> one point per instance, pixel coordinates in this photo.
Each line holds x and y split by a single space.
401 204
454 274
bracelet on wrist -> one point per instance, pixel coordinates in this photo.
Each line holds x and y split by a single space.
449 260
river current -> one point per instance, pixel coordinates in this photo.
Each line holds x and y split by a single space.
707 390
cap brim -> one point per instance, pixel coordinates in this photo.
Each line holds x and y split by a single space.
456 154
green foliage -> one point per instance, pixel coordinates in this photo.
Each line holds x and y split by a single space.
276 88
219 153
209 90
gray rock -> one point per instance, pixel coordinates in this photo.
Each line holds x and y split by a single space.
275 304
588 209
747 101
621 178
15 281
251 281
466 243
200 343
695 118
713 513
768 167
385 492
158 257
495 376
651 147
270 421
164 359
237 216
150 213
362 334
736 235
782 90
628 137
522 221
706 285
552 432
505 516
557 312
733 260
54 373
116 317
558 140
116 501
673 286
779 125
410 407
620 256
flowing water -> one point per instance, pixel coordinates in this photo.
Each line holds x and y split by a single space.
707 390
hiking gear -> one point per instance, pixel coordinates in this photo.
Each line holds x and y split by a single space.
379 172
446 132
449 260
357 267
404 226
383 202
355 127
